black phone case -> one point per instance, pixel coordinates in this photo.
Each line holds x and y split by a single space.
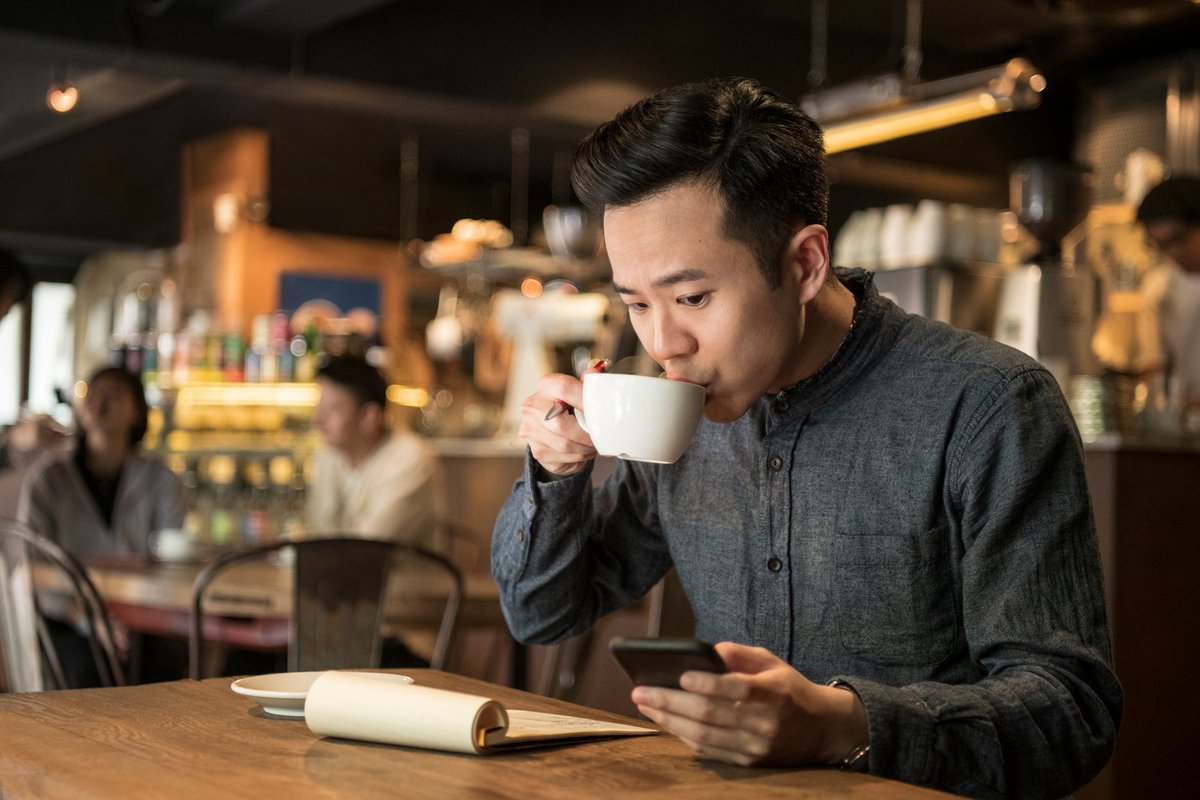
660 662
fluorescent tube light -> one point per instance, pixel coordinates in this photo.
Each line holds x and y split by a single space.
1013 86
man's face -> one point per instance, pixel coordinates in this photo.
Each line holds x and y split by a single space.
338 416
698 301
1177 241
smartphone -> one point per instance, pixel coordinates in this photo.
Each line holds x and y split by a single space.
660 662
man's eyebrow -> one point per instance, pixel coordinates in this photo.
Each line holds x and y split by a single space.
670 279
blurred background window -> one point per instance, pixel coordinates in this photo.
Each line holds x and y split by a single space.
51 349
11 328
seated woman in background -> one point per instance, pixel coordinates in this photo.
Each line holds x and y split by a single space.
101 497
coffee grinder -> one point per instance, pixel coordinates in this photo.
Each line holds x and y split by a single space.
1048 306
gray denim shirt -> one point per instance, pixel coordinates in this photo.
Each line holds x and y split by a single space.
912 520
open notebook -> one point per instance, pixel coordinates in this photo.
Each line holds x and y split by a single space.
357 706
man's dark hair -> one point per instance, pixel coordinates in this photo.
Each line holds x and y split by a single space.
364 381
132 384
763 155
13 273
1173 199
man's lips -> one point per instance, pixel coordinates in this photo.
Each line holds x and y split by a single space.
684 379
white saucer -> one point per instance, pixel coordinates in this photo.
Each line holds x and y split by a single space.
283 693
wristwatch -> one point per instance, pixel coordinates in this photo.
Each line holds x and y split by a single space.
856 760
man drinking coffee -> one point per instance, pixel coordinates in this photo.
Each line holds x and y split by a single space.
883 520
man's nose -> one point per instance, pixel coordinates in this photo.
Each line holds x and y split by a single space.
669 339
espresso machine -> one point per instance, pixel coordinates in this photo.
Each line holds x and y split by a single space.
1048 306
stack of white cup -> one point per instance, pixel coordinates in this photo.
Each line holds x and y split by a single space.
911 236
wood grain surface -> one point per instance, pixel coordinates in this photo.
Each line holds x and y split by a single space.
189 739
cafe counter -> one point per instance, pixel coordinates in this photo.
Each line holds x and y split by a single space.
1146 501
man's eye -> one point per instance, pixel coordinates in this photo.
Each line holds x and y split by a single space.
693 300
636 308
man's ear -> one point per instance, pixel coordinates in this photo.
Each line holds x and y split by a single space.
806 260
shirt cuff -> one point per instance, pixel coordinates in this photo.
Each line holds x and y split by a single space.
901 729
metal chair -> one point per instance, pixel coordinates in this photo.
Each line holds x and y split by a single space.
29 654
339 589
668 615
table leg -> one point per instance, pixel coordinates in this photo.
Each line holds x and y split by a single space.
519 664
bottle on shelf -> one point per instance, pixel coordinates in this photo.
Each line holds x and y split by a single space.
256 353
149 348
222 522
196 515
233 357
257 525
212 365
288 493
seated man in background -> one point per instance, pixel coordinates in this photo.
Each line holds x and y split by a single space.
370 480
882 520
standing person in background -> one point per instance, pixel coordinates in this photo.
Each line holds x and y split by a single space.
370 480
100 498
1170 213
28 436
15 282
32 434
882 521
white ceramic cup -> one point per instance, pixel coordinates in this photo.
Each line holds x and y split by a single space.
172 544
640 418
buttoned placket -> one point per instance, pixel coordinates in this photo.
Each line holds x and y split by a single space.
773 575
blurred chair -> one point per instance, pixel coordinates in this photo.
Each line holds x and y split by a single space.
339 590
668 615
30 659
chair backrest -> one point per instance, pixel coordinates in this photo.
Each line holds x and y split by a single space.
339 589
24 638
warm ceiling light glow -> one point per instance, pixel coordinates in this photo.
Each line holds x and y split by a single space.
62 97
408 396
531 287
907 120
1013 86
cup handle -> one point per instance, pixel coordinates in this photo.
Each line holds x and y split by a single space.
582 422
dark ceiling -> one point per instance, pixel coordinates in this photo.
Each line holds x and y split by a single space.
341 85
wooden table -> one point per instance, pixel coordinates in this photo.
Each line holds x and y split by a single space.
189 739
250 605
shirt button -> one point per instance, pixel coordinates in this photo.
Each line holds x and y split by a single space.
782 406
774 564
776 463
520 536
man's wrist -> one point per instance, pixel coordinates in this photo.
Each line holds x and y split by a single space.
544 475
850 740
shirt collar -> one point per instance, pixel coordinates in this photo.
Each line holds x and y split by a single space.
873 331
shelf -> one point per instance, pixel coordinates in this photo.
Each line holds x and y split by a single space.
279 395
291 395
